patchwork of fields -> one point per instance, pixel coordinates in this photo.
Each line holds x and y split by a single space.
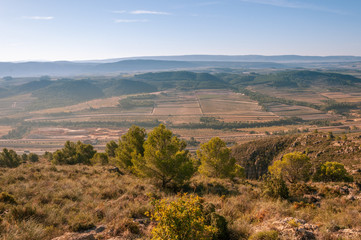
172 108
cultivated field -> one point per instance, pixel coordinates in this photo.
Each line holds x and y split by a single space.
172 108
343 96
309 96
306 113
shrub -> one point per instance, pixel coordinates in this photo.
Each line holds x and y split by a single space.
33 157
220 224
48 156
100 159
130 146
73 153
293 167
182 219
165 158
110 148
275 187
332 172
265 235
7 198
216 160
9 158
300 189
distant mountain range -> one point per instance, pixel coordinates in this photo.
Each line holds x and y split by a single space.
245 58
164 63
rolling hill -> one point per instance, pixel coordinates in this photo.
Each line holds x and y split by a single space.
165 63
183 80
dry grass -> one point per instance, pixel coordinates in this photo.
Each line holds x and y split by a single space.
51 200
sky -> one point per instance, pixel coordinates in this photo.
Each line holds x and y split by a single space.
101 29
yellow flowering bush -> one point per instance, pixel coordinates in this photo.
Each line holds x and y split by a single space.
182 219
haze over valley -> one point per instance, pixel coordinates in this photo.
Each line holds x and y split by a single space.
172 120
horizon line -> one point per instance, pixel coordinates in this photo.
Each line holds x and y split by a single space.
176 55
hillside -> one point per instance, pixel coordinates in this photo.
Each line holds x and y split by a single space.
253 58
60 68
166 63
183 80
293 79
64 92
257 155
306 79
31 86
52 200
123 87
272 91
141 65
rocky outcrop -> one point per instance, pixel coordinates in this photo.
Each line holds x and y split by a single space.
348 234
87 235
256 156
294 228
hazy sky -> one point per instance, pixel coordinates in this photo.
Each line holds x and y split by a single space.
98 29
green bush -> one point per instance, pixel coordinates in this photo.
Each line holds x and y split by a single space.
110 148
182 219
74 153
100 159
216 160
165 158
332 172
9 158
48 156
7 198
293 167
218 222
275 187
130 147
300 189
33 157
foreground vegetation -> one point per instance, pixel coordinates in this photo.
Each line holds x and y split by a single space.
42 201
295 196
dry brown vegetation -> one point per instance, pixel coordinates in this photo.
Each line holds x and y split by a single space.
46 201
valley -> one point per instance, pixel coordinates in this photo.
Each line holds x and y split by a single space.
183 101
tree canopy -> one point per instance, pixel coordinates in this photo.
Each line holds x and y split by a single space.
130 146
293 167
216 160
165 158
332 172
9 158
73 153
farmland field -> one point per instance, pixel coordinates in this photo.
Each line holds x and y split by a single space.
305 113
311 96
172 107
343 96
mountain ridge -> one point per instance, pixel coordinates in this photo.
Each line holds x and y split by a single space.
164 63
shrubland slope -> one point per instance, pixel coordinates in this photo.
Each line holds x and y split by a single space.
256 156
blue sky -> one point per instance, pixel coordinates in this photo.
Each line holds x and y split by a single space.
99 29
